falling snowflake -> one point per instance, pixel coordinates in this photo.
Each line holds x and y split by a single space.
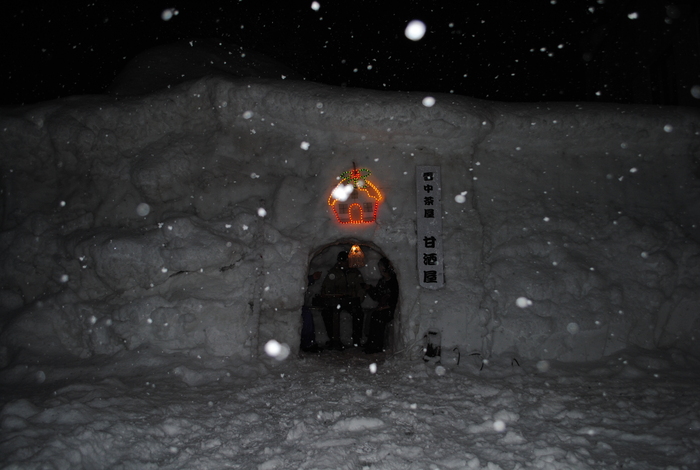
279 351
143 209
342 192
168 14
415 30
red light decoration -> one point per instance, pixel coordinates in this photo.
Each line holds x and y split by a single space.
355 200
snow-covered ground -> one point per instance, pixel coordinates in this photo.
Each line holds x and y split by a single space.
347 410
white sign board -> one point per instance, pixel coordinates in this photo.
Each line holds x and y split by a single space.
429 227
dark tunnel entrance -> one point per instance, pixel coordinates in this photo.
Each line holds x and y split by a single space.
321 313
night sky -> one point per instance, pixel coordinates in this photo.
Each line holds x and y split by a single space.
522 50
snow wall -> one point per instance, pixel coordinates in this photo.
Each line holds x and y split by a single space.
135 222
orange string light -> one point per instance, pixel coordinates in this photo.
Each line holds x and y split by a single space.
360 186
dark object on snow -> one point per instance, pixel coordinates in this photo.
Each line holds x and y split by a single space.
432 346
482 359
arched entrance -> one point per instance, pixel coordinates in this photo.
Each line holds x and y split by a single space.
321 260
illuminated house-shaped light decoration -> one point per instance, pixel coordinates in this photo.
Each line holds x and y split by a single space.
355 200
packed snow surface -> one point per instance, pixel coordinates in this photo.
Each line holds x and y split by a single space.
632 410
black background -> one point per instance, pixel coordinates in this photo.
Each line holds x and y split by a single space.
523 50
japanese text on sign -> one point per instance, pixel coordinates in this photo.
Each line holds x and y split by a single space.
429 227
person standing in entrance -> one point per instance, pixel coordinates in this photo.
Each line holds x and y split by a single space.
308 330
386 293
342 291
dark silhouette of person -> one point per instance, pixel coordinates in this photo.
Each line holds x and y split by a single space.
308 331
386 294
342 291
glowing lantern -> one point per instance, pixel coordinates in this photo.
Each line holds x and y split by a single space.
356 258
355 200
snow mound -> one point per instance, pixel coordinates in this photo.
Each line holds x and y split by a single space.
183 221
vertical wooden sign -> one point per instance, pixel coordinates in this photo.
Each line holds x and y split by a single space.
429 227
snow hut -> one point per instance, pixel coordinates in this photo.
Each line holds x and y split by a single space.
187 220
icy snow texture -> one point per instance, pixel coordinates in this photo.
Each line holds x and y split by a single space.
137 411
552 213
